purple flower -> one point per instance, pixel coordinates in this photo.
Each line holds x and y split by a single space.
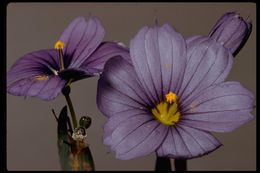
79 53
171 97
232 31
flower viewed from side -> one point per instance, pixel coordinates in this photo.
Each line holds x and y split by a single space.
79 53
171 97
232 31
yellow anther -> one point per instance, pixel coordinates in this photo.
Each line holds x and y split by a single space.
41 77
59 45
171 97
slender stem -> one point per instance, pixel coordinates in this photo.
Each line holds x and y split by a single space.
180 165
66 93
72 112
163 164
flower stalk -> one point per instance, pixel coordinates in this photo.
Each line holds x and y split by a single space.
66 93
180 165
163 164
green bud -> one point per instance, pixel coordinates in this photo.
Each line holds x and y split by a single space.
85 122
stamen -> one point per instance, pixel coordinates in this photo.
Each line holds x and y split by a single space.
167 112
59 45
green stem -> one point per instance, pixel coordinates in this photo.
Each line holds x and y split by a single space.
66 93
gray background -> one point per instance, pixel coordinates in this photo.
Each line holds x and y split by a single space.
31 127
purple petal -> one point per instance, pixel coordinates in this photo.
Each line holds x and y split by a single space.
104 52
159 57
192 43
81 38
131 130
118 118
220 108
136 136
232 31
119 90
46 90
173 146
193 39
32 64
184 142
21 78
209 63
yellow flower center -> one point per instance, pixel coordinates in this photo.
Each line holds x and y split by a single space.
167 112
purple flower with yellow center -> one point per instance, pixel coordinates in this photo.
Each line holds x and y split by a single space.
79 53
171 97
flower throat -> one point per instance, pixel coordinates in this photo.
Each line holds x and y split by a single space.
167 112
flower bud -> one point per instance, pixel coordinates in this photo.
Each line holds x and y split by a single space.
85 122
232 31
